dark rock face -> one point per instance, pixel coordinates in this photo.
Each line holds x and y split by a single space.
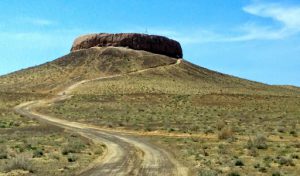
152 43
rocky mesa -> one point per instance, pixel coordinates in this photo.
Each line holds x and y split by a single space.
151 43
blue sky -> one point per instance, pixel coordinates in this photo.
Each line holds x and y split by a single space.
253 39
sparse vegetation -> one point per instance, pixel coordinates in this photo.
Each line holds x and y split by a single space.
32 147
207 173
233 174
3 152
276 173
231 126
259 142
72 157
226 133
239 163
238 122
22 162
38 153
73 146
285 161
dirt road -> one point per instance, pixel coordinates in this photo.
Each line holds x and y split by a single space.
125 154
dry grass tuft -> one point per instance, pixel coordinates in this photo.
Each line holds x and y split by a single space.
226 133
20 162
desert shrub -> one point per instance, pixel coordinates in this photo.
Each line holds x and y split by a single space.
253 152
297 144
3 155
73 147
98 151
30 144
170 130
55 156
239 163
226 133
194 127
147 127
3 152
208 130
285 161
294 133
72 157
20 147
295 156
259 142
262 169
38 153
220 125
222 149
233 174
256 165
207 173
9 124
276 173
281 130
21 162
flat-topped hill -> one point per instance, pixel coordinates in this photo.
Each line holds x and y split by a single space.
151 43
208 119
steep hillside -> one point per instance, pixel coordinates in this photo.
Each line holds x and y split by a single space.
185 78
148 99
79 65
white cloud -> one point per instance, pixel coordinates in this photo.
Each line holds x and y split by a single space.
36 21
251 31
287 16
41 22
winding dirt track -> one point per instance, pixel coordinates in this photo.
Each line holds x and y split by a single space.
125 155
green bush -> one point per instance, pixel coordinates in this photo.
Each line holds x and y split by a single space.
239 163
38 153
9 124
